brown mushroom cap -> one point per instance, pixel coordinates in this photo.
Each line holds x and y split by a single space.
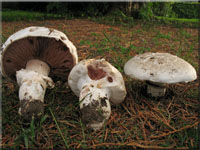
48 45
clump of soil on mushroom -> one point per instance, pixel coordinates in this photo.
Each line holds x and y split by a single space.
93 112
31 108
103 102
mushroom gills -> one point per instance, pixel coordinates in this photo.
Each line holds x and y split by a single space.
95 106
33 82
156 89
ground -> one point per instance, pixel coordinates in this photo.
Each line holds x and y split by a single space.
140 121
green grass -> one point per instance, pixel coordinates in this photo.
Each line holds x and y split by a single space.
60 132
116 17
185 33
179 21
18 15
164 36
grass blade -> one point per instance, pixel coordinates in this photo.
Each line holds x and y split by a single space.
26 141
83 134
32 127
66 144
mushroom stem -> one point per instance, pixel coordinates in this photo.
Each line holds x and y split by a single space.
38 66
156 89
95 106
33 82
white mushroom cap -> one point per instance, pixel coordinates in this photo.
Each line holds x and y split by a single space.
30 43
101 74
160 67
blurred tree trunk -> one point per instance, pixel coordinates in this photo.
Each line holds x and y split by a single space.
133 8
129 8
126 7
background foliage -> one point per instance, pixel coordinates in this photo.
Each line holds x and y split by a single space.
84 9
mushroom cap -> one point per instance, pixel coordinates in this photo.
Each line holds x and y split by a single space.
99 73
46 44
160 67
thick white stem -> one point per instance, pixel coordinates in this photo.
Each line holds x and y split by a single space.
95 106
33 82
156 89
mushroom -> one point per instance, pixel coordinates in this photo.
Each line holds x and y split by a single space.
159 69
32 56
97 83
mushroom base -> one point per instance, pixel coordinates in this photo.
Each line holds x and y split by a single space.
29 109
156 89
93 115
95 106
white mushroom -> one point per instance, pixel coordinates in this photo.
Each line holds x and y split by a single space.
159 69
96 83
30 56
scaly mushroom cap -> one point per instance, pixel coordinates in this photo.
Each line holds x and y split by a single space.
102 74
46 44
160 67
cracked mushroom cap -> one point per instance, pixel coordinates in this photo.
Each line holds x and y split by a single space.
99 73
160 67
46 44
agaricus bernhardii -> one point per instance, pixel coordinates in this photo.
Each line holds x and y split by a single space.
97 83
159 69
32 56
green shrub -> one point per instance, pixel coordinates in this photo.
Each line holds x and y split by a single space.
16 15
146 12
78 9
164 9
186 9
